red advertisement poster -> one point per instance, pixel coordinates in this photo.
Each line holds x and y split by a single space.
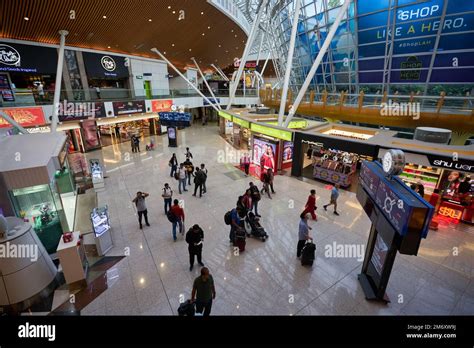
161 105
26 117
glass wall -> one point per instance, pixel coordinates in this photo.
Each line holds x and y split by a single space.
407 46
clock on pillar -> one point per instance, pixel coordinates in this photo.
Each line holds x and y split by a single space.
393 162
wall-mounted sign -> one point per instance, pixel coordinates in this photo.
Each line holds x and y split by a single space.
105 66
298 124
5 88
273 132
161 105
26 117
212 100
461 164
175 119
130 107
24 58
139 77
80 111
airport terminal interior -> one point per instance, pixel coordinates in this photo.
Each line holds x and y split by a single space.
236 157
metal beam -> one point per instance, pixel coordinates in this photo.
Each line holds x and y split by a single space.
205 81
316 63
219 71
248 46
13 122
57 86
184 77
289 62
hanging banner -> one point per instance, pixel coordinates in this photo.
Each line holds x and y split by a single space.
25 117
161 105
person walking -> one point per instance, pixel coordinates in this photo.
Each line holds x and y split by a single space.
199 179
247 200
271 176
266 184
189 170
136 141
182 178
167 197
310 206
194 238
204 171
173 163
188 153
303 233
334 197
178 214
203 292
235 223
246 163
139 201
132 143
255 197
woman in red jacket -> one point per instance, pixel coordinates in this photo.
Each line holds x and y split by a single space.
310 206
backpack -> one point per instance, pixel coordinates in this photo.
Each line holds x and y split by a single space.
171 217
228 218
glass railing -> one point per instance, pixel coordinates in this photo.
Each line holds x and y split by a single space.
463 105
29 97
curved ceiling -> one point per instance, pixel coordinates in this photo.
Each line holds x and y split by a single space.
129 26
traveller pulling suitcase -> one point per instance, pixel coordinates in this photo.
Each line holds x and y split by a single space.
239 240
308 254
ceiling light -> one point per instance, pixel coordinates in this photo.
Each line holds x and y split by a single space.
235 35
172 45
202 13
174 12
203 34
169 7
209 27
220 45
164 52
190 50
108 46
232 31
104 17
26 19
150 20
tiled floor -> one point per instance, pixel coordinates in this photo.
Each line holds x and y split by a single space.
266 279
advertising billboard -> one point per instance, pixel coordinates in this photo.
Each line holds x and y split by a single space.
26 117
161 105
130 107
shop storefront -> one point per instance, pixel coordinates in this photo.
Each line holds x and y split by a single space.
332 158
446 183
25 79
272 148
40 187
226 126
241 135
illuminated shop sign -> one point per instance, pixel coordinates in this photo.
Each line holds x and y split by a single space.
24 59
105 66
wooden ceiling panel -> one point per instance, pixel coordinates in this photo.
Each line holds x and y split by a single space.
127 27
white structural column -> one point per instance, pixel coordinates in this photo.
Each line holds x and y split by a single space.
184 77
248 46
205 81
266 61
219 71
13 122
289 62
316 63
59 75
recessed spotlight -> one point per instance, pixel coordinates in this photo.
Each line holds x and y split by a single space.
232 31
190 50
169 7
104 17
209 27
226 51
220 45
174 12
26 19
164 52
203 34
108 46
202 13
235 35
149 20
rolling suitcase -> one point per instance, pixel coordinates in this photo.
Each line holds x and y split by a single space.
307 254
239 240
186 309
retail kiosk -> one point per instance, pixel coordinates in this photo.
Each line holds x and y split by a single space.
38 185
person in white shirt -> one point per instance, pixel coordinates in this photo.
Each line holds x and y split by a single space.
182 178
167 196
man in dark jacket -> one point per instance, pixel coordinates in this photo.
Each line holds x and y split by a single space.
199 179
194 238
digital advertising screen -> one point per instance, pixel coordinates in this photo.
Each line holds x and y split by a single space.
90 135
287 151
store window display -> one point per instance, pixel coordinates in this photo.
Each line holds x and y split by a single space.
334 166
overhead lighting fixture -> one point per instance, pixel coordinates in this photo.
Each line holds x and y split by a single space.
202 13
149 20
164 52
108 46
169 7
209 27
104 17
26 19
220 45
174 12
235 35
172 45
203 34
190 50
232 30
